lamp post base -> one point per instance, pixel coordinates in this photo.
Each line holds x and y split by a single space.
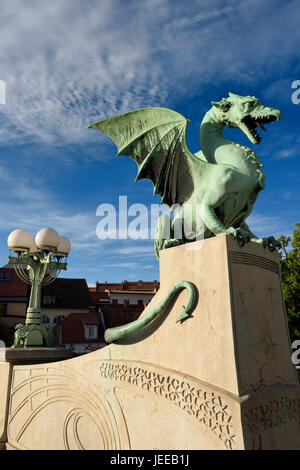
30 336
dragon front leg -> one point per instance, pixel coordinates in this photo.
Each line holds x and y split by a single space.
217 228
225 183
164 235
269 242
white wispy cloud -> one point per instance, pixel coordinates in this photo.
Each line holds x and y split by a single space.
135 250
129 265
31 206
264 226
286 153
67 64
25 204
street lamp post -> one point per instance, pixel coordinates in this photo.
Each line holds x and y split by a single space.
38 262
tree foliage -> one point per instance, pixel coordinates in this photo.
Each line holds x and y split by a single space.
290 271
6 333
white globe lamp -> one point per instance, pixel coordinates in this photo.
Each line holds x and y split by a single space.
20 240
47 239
64 247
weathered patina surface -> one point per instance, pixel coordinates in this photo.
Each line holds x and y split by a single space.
223 179
119 332
33 334
213 190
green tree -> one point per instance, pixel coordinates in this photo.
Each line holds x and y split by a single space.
6 333
290 271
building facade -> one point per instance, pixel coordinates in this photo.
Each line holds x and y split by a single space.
82 332
76 315
13 297
60 299
121 303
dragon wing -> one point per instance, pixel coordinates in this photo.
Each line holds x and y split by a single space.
156 139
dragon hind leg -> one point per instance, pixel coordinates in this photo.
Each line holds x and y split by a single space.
164 235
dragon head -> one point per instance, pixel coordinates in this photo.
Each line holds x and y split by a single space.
246 113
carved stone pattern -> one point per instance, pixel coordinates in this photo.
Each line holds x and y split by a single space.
208 407
254 260
273 413
48 386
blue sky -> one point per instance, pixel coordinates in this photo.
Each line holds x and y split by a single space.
69 63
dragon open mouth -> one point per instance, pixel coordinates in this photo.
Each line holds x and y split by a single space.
252 124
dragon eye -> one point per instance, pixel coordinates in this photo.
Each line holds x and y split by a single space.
249 106
225 106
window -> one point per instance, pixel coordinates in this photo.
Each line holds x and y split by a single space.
91 332
5 277
49 299
3 309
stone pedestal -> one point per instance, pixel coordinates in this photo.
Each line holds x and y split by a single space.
222 379
24 356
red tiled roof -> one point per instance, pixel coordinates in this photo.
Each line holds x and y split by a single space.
72 328
14 288
97 297
150 292
127 285
67 293
119 314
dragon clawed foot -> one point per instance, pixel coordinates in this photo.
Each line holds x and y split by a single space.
171 242
243 236
271 243
240 235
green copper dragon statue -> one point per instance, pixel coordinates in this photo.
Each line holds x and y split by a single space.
224 178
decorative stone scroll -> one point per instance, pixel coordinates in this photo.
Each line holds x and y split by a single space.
65 407
206 406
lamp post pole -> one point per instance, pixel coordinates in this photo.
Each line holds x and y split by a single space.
37 264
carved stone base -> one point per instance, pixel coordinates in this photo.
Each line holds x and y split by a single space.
222 379
14 357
